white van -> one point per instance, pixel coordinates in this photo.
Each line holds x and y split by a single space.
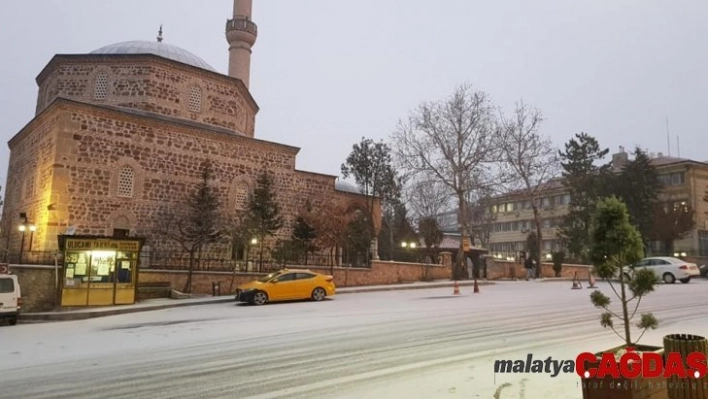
10 298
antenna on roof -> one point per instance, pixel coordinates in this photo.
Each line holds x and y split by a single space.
159 35
668 137
678 147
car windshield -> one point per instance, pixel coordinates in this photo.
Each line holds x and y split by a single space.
269 277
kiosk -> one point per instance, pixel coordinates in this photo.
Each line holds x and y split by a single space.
99 271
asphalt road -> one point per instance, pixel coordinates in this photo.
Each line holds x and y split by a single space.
419 343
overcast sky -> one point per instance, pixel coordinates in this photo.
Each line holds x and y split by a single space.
327 72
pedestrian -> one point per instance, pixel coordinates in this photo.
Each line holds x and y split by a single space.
530 266
470 268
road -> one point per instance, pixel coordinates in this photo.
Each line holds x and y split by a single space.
407 344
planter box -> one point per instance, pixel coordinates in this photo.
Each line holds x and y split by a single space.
623 388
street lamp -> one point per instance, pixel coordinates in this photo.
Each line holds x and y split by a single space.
411 245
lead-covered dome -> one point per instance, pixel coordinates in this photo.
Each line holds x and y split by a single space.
157 48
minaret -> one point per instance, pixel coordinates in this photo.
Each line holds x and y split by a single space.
241 34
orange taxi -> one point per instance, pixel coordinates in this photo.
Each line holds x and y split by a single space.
286 285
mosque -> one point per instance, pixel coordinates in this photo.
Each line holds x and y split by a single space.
123 130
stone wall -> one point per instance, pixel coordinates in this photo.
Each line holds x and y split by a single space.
153 84
37 285
380 273
88 146
502 270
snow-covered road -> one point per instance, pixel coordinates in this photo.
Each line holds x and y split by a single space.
394 344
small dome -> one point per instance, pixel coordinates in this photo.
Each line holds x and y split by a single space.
341 185
161 49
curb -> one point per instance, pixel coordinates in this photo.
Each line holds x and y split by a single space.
355 290
28 318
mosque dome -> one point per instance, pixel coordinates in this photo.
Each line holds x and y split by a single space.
157 48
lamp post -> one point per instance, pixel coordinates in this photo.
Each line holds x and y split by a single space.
32 228
22 242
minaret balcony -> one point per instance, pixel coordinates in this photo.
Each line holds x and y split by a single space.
242 25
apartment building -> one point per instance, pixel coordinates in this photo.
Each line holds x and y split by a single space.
506 225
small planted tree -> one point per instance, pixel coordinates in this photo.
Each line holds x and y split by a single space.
558 259
616 243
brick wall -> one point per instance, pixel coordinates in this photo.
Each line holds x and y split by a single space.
37 287
380 273
501 269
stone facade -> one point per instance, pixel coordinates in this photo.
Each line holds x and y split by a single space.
150 83
67 165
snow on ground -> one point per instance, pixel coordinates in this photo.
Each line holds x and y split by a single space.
393 344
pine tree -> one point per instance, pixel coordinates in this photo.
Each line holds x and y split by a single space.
303 235
586 182
264 218
638 186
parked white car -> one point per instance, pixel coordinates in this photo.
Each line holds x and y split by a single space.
10 298
667 268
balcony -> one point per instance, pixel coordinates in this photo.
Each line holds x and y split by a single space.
242 25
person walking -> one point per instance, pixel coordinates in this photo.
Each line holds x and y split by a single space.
530 266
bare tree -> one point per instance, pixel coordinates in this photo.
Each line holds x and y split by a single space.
427 197
531 159
456 141
195 224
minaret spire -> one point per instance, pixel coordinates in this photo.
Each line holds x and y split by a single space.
159 35
241 34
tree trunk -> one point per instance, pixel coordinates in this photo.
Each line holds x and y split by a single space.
459 272
625 312
539 238
260 255
188 285
669 247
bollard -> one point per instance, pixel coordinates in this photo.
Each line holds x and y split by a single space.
688 388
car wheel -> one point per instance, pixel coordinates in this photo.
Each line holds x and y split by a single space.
12 321
669 278
685 280
259 298
318 294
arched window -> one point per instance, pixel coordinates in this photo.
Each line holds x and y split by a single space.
195 99
100 91
126 181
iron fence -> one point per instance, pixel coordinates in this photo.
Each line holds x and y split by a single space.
160 260
32 258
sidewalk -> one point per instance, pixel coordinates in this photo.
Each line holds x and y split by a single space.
165 303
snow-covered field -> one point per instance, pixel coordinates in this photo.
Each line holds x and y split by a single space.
395 344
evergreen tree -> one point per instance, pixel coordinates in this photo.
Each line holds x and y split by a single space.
430 232
616 244
586 182
371 165
638 186
303 236
264 218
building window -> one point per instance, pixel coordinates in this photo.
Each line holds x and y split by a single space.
195 99
101 88
126 179
673 179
